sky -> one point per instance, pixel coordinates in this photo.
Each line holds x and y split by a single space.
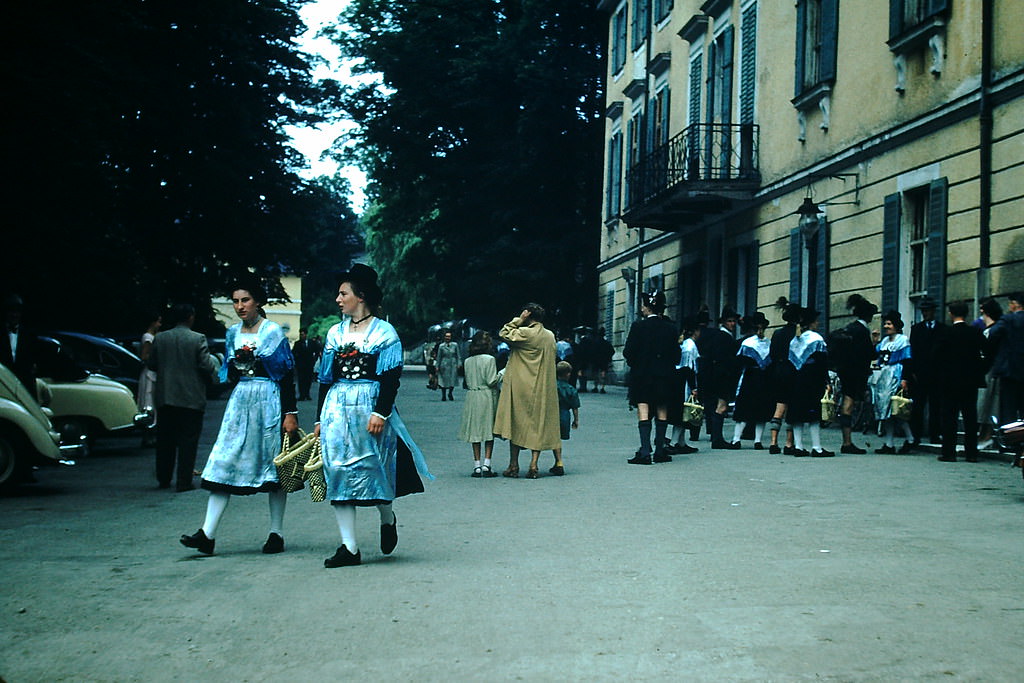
312 141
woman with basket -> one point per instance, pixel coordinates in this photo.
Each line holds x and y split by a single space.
754 398
808 358
259 362
893 355
369 459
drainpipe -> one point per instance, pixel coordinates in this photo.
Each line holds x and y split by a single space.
984 282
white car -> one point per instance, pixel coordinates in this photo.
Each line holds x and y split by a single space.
27 436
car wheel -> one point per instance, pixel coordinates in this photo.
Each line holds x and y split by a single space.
8 461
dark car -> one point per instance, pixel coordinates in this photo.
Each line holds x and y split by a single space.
102 356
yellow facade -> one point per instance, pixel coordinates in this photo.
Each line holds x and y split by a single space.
724 116
285 313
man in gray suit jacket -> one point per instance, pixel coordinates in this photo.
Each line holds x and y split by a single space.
184 369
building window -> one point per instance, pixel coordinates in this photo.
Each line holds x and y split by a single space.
661 9
914 247
906 17
613 203
817 37
641 22
741 277
635 150
619 25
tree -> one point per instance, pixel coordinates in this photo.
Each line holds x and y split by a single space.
482 141
151 160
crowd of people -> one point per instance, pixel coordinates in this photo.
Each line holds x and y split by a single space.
922 386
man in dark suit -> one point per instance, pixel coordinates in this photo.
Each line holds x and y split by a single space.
960 353
853 358
184 369
718 373
924 337
18 344
304 352
1007 335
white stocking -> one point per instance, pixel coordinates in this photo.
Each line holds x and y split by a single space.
278 499
678 434
758 432
815 435
737 432
907 434
889 429
346 516
215 506
798 436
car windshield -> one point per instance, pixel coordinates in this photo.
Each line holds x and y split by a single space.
54 363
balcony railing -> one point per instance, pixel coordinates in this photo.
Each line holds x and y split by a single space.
708 154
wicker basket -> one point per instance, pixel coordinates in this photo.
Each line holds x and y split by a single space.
291 459
314 473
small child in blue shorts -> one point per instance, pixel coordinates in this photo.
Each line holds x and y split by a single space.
568 410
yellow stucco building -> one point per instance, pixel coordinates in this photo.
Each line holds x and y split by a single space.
811 149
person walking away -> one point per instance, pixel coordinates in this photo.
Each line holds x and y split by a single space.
602 359
429 353
894 356
652 353
568 411
481 402
585 368
370 459
924 337
147 381
719 372
527 413
184 370
781 374
852 358
808 354
447 359
686 389
259 363
1008 336
988 413
304 353
754 402
960 352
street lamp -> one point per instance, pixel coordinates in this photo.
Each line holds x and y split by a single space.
808 212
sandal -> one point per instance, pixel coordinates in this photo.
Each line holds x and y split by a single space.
531 473
511 472
477 473
487 472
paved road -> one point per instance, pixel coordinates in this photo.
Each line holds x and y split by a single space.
723 566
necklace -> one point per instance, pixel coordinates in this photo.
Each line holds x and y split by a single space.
363 319
249 327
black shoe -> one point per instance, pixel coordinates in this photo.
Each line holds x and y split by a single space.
662 457
822 454
686 449
199 541
774 450
343 558
885 450
274 545
477 472
801 453
733 446
906 448
850 449
602 391
946 458
721 445
639 459
557 470
672 448
389 536
788 450
758 446
487 473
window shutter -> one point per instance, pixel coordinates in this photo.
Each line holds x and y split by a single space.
801 37
727 66
829 40
712 72
937 7
751 283
895 18
891 253
822 266
796 252
695 78
609 314
665 102
748 70
937 197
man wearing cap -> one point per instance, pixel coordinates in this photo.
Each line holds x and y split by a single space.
853 364
924 338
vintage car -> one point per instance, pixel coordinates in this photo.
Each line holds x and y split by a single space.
101 356
83 405
27 437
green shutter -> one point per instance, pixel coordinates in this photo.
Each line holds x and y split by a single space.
891 253
822 266
829 40
801 36
895 18
748 71
937 7
937 197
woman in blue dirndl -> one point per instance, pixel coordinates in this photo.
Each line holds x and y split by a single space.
369 457
259 360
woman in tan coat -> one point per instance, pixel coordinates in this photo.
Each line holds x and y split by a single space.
528 406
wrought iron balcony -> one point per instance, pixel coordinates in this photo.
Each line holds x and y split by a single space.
704 169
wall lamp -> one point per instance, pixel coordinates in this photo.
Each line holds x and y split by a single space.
629 275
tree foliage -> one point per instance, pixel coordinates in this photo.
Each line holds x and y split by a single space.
483 144
149 154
